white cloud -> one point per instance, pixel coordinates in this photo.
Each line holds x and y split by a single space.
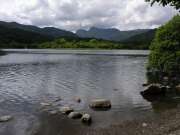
75 14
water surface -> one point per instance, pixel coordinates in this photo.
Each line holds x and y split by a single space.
27 79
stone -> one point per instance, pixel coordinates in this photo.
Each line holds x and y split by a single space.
77 99
178 88
75 115
45 104
66 110
154 89
54 112
145 84
144 124
5 118
115 89
86 118
165 78
58 99
100 103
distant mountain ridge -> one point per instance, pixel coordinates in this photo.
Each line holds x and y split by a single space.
48 31
14 35
109 34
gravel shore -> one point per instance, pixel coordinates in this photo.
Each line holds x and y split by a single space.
168 123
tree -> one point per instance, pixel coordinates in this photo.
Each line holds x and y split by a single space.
174 3
165 48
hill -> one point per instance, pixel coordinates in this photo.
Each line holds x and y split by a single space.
48 31
14 35
109 34
142 40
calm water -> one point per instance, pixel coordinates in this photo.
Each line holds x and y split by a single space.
26 80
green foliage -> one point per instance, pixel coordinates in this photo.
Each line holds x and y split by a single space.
174 3
81 43
165 49
92 43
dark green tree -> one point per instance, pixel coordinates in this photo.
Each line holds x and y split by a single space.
165 48
174 3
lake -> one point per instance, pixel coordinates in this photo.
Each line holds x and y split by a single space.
29 77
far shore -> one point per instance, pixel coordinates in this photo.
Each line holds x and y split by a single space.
81 52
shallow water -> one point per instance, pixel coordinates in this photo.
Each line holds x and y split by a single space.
26 80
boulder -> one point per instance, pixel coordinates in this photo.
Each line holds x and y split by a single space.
75 115
66 110
86 118
5 118
154 89
100 103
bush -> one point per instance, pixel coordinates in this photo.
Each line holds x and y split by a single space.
165 48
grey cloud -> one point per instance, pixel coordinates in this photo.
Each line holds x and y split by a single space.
75 14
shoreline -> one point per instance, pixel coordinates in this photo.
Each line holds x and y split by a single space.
168 123
142 53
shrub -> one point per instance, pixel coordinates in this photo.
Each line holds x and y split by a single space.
165 48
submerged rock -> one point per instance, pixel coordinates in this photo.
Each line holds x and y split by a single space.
75 115
115 89
77 99
45 104
5 118
53 112
154 89
58 99
66 110
86 118
100 103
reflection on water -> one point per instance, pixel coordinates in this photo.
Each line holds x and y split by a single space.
28 79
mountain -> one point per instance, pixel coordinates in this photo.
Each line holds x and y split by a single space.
15 35
145 37
109 34
21 36
140 41
48 31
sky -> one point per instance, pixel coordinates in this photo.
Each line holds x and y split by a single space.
83 14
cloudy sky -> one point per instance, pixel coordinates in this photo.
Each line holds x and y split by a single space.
75 14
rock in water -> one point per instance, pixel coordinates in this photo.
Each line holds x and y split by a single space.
154 89
66 110
54 112
86 118
100 103
45 104
5 118
75 115
77 99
